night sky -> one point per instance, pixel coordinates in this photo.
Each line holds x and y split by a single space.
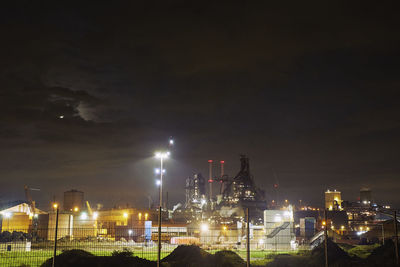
310 92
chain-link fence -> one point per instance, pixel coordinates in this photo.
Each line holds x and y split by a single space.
32 248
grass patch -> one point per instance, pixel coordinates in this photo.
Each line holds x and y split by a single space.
362 251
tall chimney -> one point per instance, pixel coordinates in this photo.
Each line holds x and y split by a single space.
222 174
210 180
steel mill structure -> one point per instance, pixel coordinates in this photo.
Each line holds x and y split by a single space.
227 205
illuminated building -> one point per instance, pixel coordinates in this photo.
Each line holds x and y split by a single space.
333 200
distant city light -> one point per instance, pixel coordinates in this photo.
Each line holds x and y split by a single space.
130 232
171 141
76 209
61 116
125 215
55 205
204 227
95 215
158 182
7 215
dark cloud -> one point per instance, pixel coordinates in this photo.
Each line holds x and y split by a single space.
308 91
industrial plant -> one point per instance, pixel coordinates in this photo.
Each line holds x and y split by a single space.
218 219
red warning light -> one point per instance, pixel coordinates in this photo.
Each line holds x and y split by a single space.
222 161
276 185
210 181
210 161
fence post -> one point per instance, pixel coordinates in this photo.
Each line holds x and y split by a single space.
55 237
159 238
326 238
396 238
248 238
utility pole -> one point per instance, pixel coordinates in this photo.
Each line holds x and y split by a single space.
210 179
248 238
326 238
396 238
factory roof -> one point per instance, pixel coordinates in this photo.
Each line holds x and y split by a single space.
18 206
10 204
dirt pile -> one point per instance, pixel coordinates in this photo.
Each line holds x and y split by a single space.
334 252
383 255
72 257
227 258
81 258
194 256
188 256
336 257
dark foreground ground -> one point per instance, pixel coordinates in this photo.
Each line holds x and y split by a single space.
193 256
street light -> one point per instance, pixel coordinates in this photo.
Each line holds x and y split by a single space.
161 156
204 227
157 171
84 216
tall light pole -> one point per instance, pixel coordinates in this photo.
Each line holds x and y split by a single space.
56 207
161 156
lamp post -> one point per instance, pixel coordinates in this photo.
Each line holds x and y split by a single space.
55 206
161 156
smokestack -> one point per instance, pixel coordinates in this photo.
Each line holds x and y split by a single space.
222 174
210 180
